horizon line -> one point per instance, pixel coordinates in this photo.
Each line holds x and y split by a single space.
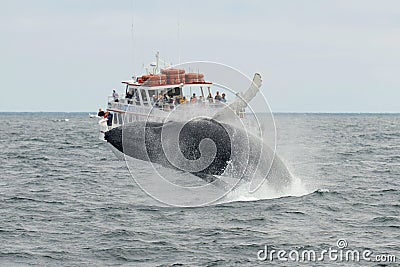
277 112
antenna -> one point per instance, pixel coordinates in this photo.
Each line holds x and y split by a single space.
157 61
132 34
179 43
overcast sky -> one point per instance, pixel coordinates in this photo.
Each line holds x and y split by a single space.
314 56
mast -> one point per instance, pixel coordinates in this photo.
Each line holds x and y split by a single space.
133 34
157 61
179 43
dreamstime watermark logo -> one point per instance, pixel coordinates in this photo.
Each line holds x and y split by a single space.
340 253
199 146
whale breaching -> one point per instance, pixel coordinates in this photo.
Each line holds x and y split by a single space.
209 148
205 148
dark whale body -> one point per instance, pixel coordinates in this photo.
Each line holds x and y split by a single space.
143 141
235 151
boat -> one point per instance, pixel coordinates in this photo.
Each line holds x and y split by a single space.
162 92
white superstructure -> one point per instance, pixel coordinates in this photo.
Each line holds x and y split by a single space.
154 96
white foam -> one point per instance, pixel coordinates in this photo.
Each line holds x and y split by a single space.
266 191
323 190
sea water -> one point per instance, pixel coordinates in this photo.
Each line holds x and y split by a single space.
65 199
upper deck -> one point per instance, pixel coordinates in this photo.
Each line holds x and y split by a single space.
156 102
168 89
167 97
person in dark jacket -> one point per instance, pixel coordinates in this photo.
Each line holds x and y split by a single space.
109 117
101 113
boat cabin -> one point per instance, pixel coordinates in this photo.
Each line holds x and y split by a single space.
168 89
152 96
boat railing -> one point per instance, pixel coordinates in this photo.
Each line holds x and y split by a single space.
124 103
121 102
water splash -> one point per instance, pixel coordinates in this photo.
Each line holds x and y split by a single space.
266 191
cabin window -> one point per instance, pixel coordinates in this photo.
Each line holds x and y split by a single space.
199 91
153 93
134 91
130 90
174 92
136 96
144 97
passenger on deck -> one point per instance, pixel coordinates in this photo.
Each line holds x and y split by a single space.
210 98
109 119
128 95
101 113
165 98
193 99
223 99
154 98
183 100
217 97
177 100
201 100
115 96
